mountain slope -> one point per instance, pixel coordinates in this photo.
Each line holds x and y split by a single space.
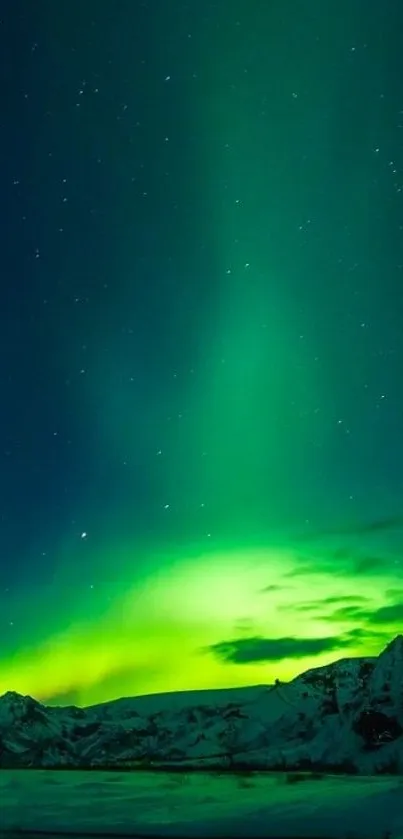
347 716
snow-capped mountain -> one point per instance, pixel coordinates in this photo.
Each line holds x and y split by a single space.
346 716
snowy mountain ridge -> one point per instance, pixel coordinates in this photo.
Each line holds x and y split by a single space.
346 716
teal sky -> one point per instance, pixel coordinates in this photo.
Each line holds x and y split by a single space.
202 330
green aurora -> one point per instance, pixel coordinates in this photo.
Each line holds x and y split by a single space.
231 370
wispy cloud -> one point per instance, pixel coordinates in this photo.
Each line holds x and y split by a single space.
348 601
380 525
395 594
345 598
271 588
350 612
389 615
368 564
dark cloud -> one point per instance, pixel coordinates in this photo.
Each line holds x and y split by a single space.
380 525
324 563
339 563
389 614
395 594
345 598
350 612
307 565
299 571
375 526
337 600
357 632
271 587
367 636
306 607
248 650
370 563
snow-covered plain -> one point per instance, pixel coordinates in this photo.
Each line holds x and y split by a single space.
199 805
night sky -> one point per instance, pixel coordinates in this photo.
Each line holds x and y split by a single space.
201 329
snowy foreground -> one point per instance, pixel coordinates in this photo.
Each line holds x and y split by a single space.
199 805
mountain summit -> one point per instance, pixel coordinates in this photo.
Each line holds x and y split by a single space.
346 716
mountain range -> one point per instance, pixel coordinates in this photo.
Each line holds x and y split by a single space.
343 717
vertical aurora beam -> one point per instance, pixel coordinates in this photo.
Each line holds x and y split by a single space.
258 378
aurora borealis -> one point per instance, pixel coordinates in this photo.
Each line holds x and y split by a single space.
202 342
